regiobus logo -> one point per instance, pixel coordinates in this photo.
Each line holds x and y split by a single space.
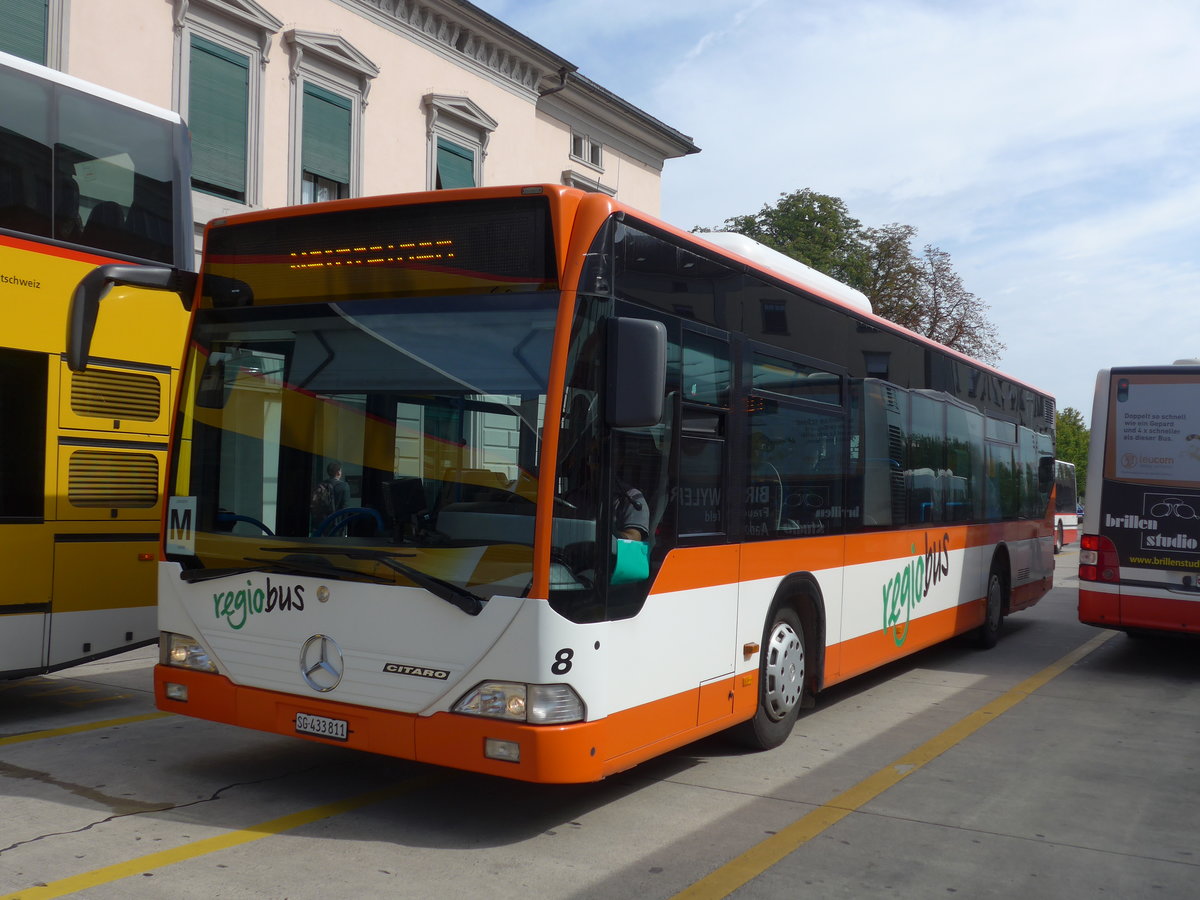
908 587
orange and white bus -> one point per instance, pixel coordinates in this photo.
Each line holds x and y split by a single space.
610 487
87 176
1139 558
1066 505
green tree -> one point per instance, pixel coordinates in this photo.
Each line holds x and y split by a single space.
1073 439
948 312
893 275
814 228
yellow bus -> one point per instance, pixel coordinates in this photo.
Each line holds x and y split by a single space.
87 177
594 487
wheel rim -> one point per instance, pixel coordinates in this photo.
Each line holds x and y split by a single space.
783 671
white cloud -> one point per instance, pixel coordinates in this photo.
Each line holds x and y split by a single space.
1048 145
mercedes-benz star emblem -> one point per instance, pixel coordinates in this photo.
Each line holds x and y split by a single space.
321 663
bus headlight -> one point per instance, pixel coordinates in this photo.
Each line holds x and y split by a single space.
537 704
183 652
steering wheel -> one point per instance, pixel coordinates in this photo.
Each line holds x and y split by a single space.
226 521
334 521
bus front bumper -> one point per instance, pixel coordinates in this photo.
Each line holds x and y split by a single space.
562 754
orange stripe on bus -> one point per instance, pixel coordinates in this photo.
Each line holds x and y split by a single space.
688 568
698 567
870 651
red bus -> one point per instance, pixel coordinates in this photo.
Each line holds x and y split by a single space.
1139 559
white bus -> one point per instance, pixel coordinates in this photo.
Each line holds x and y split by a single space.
1139 560
1066 505
612 487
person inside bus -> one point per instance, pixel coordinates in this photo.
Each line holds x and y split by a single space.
631 513
338 486
329 496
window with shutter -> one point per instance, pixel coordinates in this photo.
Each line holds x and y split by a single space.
218 116
325 145
26 23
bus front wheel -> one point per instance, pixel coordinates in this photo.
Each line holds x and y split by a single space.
782 675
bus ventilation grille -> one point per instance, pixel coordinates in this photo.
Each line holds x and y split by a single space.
99 478
105 394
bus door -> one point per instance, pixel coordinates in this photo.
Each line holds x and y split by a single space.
25 535
794 465
706 400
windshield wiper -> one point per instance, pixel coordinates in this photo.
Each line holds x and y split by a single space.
191 576
316 567
468 601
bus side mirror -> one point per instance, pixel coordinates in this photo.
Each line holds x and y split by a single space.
637 372
1045 474
95 285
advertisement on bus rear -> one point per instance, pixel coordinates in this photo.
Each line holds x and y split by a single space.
1151 498
1151 527
1154 430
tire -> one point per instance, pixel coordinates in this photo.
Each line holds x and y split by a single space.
782 676
987 634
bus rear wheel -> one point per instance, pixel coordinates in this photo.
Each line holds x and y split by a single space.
988 633
782 675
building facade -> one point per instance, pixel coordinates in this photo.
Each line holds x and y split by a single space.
291 101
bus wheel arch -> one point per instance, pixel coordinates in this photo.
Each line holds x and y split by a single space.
996 600
789 661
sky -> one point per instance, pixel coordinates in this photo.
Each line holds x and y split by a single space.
1051 147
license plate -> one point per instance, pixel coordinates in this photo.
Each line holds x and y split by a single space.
335 729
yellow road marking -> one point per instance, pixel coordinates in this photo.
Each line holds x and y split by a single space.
77 729
738 871
720 883
86 880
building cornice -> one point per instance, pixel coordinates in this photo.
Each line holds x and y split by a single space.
468 35
463 32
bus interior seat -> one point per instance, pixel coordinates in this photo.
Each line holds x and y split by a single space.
105 225
149 230
472 485
406 505
67 224
24 199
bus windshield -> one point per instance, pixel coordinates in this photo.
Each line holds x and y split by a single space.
420 416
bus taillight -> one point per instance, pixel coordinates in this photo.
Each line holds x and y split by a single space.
1098 559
